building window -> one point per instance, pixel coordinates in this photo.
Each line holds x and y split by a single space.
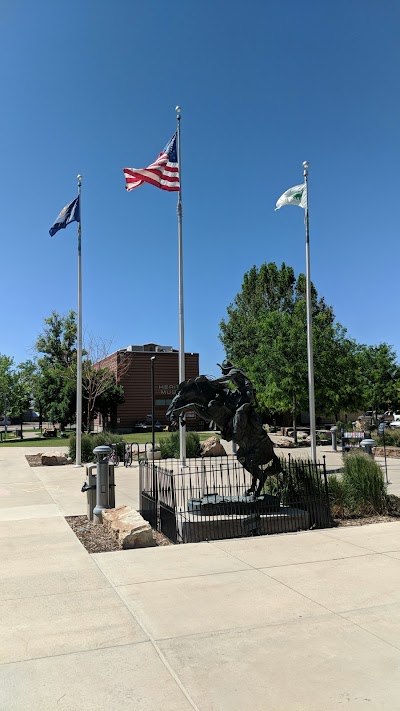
163 402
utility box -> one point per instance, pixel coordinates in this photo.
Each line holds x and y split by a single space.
89 488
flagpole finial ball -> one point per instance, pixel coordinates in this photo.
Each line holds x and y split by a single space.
306 164
79 178
178 109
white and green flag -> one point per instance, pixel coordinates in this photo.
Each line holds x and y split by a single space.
293 196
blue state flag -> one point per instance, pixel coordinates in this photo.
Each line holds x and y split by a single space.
69 213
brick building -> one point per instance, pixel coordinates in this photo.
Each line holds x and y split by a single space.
132 367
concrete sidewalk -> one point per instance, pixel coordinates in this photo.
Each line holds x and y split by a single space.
295 622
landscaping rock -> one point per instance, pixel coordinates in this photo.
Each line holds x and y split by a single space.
128 527
212 447
55 459
149 454
285 443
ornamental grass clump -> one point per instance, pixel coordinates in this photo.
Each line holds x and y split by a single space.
361 489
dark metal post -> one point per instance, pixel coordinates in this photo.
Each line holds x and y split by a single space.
5 418
153 444
152 359
384 453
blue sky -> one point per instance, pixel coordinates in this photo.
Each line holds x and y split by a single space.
90 87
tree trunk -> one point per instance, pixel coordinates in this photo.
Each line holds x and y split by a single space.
88 413
21 418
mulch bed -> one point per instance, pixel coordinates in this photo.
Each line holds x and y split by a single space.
365 520
97 539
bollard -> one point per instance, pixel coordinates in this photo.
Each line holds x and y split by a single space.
334 438
367 445
343 440
102 484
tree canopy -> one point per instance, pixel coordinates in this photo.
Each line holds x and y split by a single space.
265 333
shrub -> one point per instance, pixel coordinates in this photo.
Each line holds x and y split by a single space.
361 491
89 442
392 437
170 446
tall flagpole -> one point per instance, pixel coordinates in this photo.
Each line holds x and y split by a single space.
179 210
309 326
78 455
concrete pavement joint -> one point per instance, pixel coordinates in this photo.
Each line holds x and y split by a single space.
156 648
325 532
307 562
333 612
78 651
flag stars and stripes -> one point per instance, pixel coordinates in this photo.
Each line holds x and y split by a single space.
163 173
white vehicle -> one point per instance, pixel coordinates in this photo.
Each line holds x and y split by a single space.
395 423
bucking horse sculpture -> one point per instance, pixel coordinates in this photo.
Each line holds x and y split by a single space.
229 403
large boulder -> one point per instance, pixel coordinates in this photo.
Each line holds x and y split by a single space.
54 459
128 527
212 447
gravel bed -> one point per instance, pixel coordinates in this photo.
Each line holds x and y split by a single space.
97 539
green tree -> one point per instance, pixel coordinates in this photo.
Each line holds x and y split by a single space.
22 392
56 366
106 404
266 335
6 382
380 377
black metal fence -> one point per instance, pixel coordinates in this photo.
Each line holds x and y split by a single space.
208 499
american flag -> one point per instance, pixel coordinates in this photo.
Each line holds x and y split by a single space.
163 173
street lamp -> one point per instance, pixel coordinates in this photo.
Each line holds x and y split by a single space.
153 444
152 359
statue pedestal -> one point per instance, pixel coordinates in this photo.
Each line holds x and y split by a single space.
216 505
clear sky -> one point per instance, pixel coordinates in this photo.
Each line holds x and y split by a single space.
90 87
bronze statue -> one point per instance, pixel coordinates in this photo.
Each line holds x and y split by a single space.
229 401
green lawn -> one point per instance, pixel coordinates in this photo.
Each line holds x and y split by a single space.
140 438
143 437
37 442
